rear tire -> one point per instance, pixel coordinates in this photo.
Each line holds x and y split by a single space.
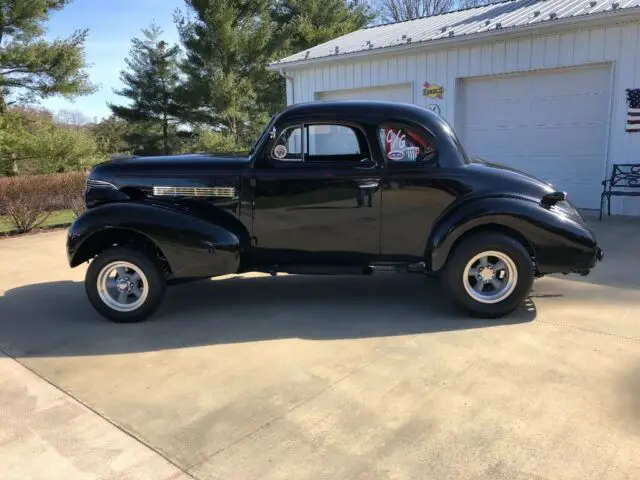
490 274
125 285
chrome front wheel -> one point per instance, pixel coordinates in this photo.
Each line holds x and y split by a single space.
125 284
122 286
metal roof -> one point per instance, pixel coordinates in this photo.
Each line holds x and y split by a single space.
510 14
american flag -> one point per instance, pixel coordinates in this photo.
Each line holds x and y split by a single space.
633 113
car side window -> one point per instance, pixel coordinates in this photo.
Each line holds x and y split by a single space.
405 144
327 139
321 143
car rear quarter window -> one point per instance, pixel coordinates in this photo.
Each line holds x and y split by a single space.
406 144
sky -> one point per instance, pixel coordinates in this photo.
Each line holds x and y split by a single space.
112 24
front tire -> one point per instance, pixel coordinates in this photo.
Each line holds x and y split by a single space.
490 274
125 285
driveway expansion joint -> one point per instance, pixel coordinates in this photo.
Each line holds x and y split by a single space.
573 326
303 402
111 422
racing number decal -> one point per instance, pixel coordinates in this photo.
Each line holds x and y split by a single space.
396 142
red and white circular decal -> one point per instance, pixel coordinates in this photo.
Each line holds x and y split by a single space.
280 151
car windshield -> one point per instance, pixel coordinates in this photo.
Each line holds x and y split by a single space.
264 132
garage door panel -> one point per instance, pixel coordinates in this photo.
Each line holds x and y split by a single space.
557 167
585 109
552 124
390 93
565 142
504 112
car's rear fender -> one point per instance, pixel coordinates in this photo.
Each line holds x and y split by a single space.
191 245
557 243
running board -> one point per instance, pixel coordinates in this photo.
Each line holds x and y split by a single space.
397 268
328 269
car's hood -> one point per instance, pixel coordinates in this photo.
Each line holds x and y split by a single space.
172 165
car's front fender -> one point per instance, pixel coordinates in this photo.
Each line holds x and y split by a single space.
193 246
559 242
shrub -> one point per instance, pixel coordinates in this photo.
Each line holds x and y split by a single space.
27 201
24 204
67 191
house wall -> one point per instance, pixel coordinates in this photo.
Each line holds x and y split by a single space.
617 44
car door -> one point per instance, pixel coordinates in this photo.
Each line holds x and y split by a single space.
415 190
316 196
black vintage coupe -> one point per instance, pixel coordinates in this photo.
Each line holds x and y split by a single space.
327 188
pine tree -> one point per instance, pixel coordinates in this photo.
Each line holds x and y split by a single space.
31 67
150 83
228 45
303 24
225 45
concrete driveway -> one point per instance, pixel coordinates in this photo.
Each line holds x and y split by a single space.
320 378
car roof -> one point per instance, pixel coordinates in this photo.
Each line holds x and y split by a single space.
380 107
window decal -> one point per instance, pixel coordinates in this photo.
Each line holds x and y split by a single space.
412 152
280 151
402 143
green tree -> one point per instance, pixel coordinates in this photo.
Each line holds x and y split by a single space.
150 83
110 135
225 44
228 45
31 67
32 142
303 24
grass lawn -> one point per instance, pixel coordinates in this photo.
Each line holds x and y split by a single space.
61 217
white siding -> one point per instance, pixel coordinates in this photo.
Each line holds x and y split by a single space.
618 44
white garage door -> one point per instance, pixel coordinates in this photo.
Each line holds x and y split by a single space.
551 124
391 93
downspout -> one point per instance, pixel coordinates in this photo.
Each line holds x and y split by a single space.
290 91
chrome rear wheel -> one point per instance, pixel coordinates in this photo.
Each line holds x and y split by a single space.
489 273
490 277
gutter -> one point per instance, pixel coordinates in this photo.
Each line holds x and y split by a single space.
289 80
626 15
